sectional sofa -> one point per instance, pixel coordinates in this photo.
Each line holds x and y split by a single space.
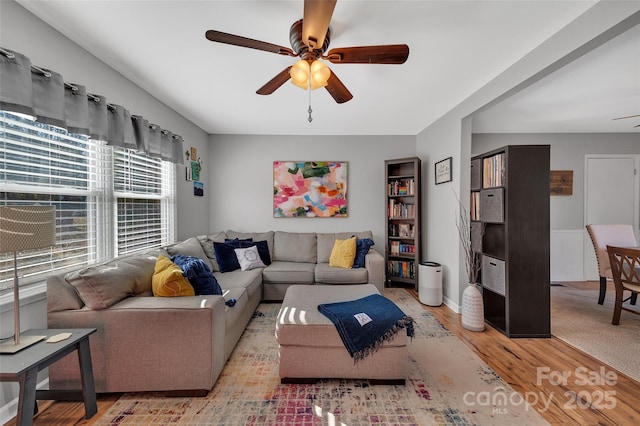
147 343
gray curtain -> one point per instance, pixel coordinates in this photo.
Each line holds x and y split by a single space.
76 111
16 91
48 97
115 125
177 149
155 141
98 118
166 140
43 95
141 133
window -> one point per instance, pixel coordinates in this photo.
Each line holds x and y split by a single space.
142 201
109 201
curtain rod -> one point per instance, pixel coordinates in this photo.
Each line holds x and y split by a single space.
7 53
42 71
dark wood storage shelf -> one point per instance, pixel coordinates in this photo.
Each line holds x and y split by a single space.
512 236
402 175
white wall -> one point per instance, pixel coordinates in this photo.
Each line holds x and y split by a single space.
241 180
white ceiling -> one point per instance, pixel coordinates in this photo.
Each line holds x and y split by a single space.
455 48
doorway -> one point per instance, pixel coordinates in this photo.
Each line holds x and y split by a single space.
612 194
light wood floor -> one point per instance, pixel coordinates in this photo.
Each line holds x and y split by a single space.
582 399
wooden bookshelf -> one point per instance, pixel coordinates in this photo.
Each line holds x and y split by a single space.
510 231
402 238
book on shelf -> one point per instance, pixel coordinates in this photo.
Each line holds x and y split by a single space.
401 187
401 269
399 210
493 171
397 248
474 209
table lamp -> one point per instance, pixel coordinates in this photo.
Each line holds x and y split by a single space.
24 228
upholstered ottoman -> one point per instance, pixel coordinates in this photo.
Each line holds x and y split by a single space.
310 347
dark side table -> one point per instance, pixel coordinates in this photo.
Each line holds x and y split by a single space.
23 367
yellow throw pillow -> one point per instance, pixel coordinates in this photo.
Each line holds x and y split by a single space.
168 281
343 253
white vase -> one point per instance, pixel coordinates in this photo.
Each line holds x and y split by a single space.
472 308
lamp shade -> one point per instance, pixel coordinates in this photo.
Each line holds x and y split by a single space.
27 227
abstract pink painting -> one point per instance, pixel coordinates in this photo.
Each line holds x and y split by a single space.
309 189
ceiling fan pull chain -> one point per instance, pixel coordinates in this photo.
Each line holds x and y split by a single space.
310 110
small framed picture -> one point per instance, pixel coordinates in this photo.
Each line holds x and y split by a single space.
198 189
404 230
443 171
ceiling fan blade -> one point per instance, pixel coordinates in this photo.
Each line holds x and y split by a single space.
628 116
275 82
383 54
337 90
315 22
235 40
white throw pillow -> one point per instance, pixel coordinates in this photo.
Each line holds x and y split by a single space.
248 258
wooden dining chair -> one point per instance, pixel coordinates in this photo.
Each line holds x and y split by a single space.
625 267
618 235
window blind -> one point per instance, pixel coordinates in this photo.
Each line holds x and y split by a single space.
109 201
143 188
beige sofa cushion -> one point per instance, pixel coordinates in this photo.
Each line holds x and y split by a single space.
103 285
295 247
288 273
206 241
326 274
190 247
256 236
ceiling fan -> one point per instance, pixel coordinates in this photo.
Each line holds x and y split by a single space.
629 116
309 38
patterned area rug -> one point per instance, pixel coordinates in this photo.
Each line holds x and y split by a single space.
447 384
577 319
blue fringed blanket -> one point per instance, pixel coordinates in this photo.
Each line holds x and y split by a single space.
365 324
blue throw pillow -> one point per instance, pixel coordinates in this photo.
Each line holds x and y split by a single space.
226 256
263 247
198 273
362 248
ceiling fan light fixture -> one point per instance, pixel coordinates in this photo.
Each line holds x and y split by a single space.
311 76
300 74
320 74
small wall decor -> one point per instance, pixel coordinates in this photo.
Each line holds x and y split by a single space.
198 189
193 166
443 171
309 189
195 170
561 182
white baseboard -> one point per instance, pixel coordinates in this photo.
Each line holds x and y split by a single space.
452 305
